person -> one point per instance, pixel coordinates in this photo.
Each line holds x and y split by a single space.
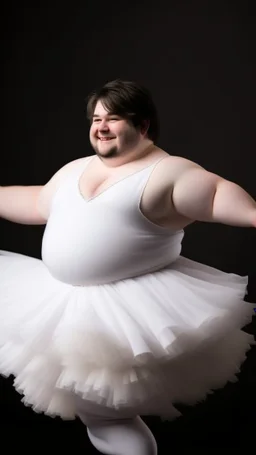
113 322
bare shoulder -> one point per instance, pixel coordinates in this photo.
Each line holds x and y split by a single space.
48 190
58 177
172 167
178 164
66 169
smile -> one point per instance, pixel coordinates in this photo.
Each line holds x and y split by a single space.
104 139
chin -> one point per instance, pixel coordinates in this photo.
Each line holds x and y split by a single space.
107 153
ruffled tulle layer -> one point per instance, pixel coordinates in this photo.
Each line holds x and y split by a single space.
144 343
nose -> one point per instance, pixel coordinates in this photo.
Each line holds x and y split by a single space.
103 126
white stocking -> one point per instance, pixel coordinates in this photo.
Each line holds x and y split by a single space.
115 432
122 437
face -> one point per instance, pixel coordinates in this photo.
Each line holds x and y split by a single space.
111 135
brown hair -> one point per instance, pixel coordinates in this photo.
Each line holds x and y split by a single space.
129 100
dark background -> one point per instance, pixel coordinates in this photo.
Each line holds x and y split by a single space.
198 60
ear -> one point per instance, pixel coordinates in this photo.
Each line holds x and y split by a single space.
145 126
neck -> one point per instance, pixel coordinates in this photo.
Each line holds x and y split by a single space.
140 152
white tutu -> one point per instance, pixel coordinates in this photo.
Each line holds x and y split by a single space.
146 343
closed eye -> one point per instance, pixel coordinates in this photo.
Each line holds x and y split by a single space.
111 119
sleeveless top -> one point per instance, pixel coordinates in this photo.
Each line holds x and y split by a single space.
105 238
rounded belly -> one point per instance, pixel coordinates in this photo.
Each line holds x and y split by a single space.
98 256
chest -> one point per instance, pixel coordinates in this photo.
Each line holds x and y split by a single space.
155 198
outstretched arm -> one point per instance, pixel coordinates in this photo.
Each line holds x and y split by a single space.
19 204
31 204
204 196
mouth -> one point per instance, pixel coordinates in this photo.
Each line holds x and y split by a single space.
105 139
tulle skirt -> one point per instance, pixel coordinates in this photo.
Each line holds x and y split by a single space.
142 344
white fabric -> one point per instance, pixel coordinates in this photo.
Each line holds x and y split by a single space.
105 238
123 437
115 432
133 343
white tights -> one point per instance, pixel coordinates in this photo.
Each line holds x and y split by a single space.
113 433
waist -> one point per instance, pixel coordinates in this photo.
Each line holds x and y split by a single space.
96 280
84 255
85 270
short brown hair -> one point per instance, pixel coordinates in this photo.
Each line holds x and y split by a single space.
128 99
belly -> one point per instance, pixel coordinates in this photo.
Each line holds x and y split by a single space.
81 252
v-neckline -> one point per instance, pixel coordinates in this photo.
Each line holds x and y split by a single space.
91 199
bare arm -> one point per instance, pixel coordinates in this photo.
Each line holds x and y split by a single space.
32 204
20 204
204 196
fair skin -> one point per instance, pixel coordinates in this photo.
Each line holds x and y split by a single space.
178 192
114 139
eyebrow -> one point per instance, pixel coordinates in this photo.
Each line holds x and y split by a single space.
109 113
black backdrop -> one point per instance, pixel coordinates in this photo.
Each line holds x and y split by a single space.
198 60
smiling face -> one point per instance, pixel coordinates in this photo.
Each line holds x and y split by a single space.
112 135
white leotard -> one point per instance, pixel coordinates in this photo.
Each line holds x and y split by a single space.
105 238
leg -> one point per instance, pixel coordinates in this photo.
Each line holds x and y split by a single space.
122 437
116 432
